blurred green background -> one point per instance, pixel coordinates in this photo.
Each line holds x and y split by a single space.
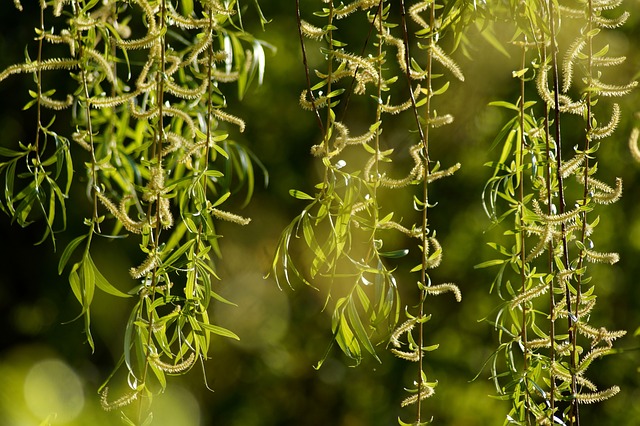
267 378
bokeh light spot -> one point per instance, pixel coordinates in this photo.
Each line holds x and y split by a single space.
53 391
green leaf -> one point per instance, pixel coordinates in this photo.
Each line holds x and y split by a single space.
220 331
21 212
416 268
6 152
300 195
88 282
69 163
309 237
187 7
74 282
102 283
159 375
343 334
395 254
177 253
489 263
68 251
441 90
222 199
504 104
359 330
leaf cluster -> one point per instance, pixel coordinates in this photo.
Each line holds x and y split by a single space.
155 141
546 341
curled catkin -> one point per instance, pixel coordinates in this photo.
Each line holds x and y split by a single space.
118 403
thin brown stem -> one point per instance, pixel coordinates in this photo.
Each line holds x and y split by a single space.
87 107
306 70
424 138
157 153
574 415
39 82
376 166
407 61
550 250
523 253
585 195
425 200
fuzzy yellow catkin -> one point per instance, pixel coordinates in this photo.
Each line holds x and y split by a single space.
118 403
79 138
607 130
416 173
54 104
46 65
590 398
600 257
407 356
365 66
63 37
311 31
446 61
611 23
555 219
223 116
225 77
565 102
608 61
560 310
416 9
592 355
318 102
405 327
175 142
415 232
185 22
413 175
397 109
173 368
120 213
186 93
569 60
443 120
140 43
560 373
184 116
613 90
569 167
112 101
105 66
546 235
149 263
605 193
445 288
538 343
443 173
424 392
598 335
529 295
166 217
348 9
230 217
432 262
